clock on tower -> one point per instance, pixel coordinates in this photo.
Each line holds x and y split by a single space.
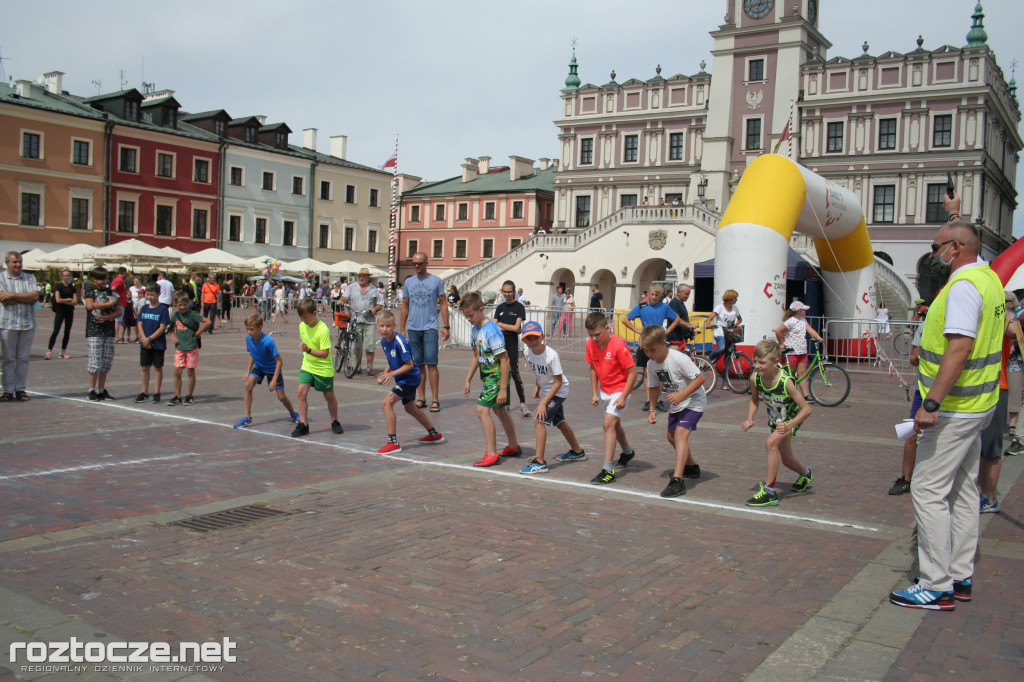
758 9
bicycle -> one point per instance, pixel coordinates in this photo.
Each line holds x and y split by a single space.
705 367
827 382
737 366
348 349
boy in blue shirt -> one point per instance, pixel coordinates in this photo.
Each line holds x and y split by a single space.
406 374
264 362
154 317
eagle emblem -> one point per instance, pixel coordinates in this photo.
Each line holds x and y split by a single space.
754 98
657 239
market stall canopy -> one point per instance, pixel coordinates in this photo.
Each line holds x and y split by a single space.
300 266
374 270
172 252
78 256
279 278
133 251
344 267
217 259
32 260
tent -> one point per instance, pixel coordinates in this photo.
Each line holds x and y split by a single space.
215 259
32 260
133 251
374 270
303 264
796 267
75 256
344 267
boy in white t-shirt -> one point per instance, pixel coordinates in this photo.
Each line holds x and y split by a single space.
682 381
547 367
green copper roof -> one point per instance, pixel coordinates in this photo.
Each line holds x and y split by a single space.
977 37
572 81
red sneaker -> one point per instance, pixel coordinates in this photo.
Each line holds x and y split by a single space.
390 449
488 460
431 440
510 451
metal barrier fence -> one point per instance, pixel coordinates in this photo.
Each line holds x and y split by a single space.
873 347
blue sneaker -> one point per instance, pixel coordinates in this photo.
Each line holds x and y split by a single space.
988 506
295 417
917 597
962 589
243 422
572 456
534 467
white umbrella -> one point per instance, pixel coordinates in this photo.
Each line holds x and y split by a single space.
344 267
172 252
133 251
374 270
299 266
217 259
77 255
31 260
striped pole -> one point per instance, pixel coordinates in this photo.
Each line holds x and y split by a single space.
393 233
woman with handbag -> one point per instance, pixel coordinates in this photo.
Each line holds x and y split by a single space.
725 316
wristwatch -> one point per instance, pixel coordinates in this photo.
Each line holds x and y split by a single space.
930 405
446 327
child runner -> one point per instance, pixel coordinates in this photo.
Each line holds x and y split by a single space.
187 326
675 374
787 410
102 310
612 375
407 378
264 363
490 356
317 370
547 367
152 322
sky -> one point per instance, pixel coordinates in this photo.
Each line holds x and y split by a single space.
452 78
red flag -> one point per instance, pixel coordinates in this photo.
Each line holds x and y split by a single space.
391 161
785 133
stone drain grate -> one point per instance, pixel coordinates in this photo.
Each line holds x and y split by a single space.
229 518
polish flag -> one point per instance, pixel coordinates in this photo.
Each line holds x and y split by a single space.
391 161
786 135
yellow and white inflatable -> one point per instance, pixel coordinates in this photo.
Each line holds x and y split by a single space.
774 198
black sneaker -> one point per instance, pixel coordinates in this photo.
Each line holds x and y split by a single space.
962 589
691 471
141 398
189 401
604 477
624 458
300 430
335 426
901 486
763 498
174 402
156 398
675 488
93 395
106 396
802 482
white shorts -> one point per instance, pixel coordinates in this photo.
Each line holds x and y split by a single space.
608 402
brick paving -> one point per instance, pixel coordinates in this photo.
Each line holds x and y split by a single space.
420 567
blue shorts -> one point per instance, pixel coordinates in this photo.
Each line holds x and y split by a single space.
916 404
556 413
684 419
423 344
407 392
260 374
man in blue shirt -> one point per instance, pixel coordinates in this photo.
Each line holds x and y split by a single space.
422 297
652 311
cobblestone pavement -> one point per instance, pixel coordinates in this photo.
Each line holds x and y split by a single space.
418 566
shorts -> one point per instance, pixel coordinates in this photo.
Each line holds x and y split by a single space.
151 357
992 435
1015 384
260 375
684 419
186 358
641 357
129 316
796 360
423 344
609 403
319 383
915 405
101 354
489 392
556 413
368 333
792 434
407 392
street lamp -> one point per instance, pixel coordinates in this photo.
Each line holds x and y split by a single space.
702 187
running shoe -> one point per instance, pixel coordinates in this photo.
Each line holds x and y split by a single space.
64 356
390 449
900 487
1016 447
510 451
295 417
47 357
93 395
763 498
534 467
624 458
337 427
962 589
174 402
917 597
488 460
189 401
300 430
604 477
141 398
802 482
675 488
691 471
572 456
243 422
436 439
987 506
156 398
524 410
105 396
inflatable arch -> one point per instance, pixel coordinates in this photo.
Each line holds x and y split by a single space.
774 198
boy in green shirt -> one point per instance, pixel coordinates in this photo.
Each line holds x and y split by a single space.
317 370
187 326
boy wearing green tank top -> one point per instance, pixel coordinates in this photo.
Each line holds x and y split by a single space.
787 410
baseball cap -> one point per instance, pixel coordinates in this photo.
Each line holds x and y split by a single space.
532 328
797 305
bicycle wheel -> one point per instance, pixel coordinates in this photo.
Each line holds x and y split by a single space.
738 369
354 355
708 370
829 384
902 342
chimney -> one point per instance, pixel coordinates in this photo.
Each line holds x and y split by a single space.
309 138
261 118
544 163
54 81
519 167
23 88
339 146
469 170
554 163
485 165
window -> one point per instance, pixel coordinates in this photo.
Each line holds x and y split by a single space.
675 147
885 203
439 212
80 152
325 190
834 137
463 211
887 133
280 140
414 214
165 165
79 214
297 187
250 134
753 133
125 216
350 194
517 210
460 248
487 249
438 249
514 242
289 233
755 70
202 170
164 220
31 145
628 200
674 198
131 110
587 151
325 235
489 210
374 197
235 228
31 204
199 223
219 128
582 211
942 134
268 180
350 238
632 148
129 160
237 177
413 246
261 231
935 211
371 241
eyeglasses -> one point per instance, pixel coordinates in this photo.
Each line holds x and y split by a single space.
508 291
936 247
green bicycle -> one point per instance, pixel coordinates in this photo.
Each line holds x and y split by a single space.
827 382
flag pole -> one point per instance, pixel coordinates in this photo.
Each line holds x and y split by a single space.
393 233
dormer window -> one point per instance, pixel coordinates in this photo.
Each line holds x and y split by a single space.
281 140
219 128
250 134
131 110
170 117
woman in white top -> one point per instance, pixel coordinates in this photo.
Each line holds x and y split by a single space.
882 317
568 308
725 315
279 303
792 333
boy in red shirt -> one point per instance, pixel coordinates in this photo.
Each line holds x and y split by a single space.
612 376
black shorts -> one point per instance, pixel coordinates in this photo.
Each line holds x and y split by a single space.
151 357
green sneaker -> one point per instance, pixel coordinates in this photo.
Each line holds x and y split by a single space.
802 482
603 477
763 498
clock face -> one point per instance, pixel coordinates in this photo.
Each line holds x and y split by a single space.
758 9
812 11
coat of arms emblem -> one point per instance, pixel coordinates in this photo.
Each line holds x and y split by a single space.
754 98
657 239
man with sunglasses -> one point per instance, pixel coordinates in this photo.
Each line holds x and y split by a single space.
960 357
422 298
